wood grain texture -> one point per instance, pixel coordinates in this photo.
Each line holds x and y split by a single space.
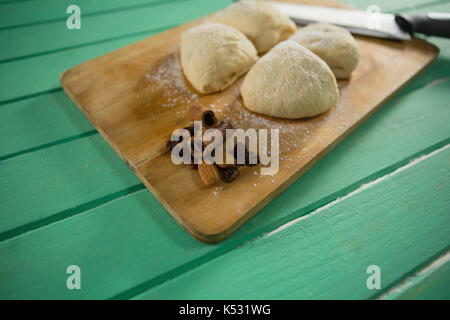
394 224
59 119
33 264
138 231
48 67
136 115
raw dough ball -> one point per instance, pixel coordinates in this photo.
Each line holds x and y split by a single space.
335 45
261 22
214 55
290 82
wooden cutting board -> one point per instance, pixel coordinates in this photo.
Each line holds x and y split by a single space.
136 96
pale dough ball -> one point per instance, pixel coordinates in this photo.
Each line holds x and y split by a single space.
214 55
335 45
290 82
261 22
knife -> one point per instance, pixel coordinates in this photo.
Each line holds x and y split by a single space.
375 24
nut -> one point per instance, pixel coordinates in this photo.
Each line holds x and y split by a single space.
209 174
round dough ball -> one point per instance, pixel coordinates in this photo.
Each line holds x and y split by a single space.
214 55
335 45
290 82
261 22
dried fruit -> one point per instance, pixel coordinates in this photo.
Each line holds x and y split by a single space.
229 174
170 145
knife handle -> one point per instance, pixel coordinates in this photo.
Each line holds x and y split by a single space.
432 23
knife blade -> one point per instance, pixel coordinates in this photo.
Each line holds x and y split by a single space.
370 23
359 22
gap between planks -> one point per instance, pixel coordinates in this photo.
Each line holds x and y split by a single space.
416 278
322 207
162 2
137 188
92 14
13 1
62 215
125 8
75 137
172 274
91 43
359 190
49 145
30 96
403 92
24 97
26 47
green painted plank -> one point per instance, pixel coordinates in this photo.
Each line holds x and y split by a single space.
49 37
55 109
20 13
12 1
66 119
137 243
326 255
47 68
436 286
437 6
41 73
431 281
25 139
59 119
437 71
38 121
60 178
15 14
37 39
116 246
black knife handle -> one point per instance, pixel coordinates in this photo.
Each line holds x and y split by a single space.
432 23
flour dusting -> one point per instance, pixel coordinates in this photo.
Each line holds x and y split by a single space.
167 86
294 134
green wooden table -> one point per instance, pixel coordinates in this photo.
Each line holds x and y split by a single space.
380 198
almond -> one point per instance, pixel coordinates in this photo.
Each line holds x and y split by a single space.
209 174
